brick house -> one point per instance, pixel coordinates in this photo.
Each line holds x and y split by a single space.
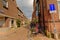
8 13
21 16
44 15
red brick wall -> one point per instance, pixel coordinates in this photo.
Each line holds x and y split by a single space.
12 10
56 18
47 15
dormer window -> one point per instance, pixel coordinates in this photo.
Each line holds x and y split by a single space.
5 4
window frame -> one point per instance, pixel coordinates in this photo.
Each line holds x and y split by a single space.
5 4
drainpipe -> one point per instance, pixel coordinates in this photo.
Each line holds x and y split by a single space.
43 16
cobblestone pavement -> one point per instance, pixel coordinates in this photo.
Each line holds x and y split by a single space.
21 34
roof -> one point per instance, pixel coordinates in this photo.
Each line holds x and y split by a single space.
19 9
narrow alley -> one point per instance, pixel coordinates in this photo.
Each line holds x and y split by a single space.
29 19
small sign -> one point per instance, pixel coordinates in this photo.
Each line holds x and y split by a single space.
52 8
53 11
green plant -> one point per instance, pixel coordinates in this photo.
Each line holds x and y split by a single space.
18 22
32 30
35 20
48 34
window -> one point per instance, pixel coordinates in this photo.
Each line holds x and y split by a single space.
37 1
37 7
19 13
5 4
36 13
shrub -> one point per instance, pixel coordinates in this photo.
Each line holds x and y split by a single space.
35 20
18 22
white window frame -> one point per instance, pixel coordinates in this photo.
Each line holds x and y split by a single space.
5 3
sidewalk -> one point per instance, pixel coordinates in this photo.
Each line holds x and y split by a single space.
7 31
18 34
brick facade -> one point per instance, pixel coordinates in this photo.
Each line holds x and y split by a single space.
45 17
9 11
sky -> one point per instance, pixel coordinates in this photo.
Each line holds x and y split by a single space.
26 6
